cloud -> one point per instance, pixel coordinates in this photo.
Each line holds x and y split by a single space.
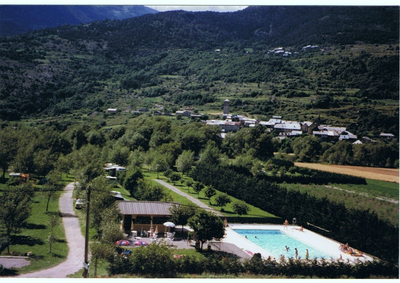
198 8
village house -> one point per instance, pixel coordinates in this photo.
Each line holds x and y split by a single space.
386 136
226 125
112 110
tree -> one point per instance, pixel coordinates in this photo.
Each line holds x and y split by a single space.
120 155
197 187
206 226
185 161
222 200
211 154
241 208
149 192
189 183
175 177
103 208
14 210
180 213
210 192
51 187
8 148
53 222
101 251
131 180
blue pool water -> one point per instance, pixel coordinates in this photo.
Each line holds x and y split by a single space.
274 242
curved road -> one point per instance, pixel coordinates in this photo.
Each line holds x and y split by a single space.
74 238
189 197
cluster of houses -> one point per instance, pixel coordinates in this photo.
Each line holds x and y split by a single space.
283 128
286 53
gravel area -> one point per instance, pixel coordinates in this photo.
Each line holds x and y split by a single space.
14 262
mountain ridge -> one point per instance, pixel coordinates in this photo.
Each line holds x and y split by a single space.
17 19
182 59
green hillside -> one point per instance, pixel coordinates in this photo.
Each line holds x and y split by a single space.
179 59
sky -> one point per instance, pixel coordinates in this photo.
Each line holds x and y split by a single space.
200 5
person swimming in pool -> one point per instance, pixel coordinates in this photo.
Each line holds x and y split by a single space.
287 248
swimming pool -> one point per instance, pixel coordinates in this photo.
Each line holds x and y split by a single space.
274 242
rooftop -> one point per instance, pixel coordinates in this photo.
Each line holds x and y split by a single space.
145 207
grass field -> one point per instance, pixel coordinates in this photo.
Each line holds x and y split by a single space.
227 210
383 174
34 237
377 196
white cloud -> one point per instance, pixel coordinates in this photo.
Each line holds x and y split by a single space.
198 8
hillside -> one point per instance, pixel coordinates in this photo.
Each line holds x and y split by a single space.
17 19
179 59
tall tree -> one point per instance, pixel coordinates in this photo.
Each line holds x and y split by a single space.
185 161
131 180
14 210
180 213
54 220
206 226
8 148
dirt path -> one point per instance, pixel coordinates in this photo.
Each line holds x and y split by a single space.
74 237
189 197
383 174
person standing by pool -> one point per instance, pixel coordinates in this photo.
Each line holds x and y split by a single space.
307 255
286 224
296 253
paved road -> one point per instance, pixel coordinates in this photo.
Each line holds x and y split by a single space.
189 197
74 237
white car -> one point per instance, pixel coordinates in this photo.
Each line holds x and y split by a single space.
80 203
117 195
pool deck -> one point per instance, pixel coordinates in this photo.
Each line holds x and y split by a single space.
308 237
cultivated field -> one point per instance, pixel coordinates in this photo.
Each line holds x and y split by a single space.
383 174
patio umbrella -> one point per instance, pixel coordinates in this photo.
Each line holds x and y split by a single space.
123 243
140 243
169 224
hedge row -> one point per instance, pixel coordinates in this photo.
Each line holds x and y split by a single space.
157 261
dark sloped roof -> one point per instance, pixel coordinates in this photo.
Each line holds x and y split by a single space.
145 207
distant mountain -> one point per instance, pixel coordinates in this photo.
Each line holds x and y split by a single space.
17 19
182 59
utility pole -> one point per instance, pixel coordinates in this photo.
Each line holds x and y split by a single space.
86 263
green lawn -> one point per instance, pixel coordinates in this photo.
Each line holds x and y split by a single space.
33 237
363 197
228 209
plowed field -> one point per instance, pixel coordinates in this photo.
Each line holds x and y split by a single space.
383 174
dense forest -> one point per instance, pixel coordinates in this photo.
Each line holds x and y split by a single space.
179 59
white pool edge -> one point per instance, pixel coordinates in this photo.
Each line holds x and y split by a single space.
327 245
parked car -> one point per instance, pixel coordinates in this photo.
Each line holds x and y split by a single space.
80 203
117 195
